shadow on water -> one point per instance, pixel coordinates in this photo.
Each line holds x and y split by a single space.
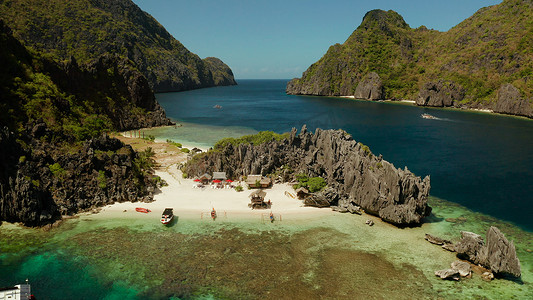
432 218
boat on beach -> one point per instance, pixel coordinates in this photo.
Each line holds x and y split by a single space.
428 116
167 216
142 210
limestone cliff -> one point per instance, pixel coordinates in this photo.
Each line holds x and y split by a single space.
354 175
473 65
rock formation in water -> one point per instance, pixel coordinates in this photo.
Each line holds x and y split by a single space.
370 88
497 254
354 176
473 65
87 30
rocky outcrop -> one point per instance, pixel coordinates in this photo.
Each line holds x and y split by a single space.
41 185
354 176
458 269
497 254
510 101
440 94
370 88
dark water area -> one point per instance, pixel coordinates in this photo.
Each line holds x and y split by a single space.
479 160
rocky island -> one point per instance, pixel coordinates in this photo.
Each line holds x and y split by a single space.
485 62
354 176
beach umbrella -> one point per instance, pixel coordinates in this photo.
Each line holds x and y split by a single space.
197 180
216 181
229 180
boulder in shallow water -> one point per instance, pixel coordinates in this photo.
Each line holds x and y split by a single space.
499 254
449 274
436 240
462 267
469 246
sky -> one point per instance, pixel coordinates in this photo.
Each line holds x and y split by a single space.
280 39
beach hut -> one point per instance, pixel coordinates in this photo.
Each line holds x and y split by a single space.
219 176
258 181
257 200
205 179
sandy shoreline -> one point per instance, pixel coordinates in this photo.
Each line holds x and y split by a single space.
189 201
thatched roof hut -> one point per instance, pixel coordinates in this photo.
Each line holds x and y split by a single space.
258 181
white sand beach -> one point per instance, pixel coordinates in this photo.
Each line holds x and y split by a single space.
190 201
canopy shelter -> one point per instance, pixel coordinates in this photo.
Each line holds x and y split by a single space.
205 178
219 176
258 181
257 200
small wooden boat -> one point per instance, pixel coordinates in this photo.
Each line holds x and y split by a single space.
217 106
428 116
142 210
167 216
213 214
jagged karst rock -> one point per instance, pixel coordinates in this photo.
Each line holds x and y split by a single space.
41 186
440 93
449 274
510 101
354 175
497 254
469 246
370 87
462 267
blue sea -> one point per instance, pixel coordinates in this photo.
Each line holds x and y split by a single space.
479 160
481 168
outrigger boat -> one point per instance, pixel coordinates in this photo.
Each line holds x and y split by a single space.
167 216
428 116
142 210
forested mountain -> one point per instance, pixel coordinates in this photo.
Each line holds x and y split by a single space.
87 29
485 61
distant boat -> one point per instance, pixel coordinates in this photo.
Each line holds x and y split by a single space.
428 116
167 216
142 210
217 106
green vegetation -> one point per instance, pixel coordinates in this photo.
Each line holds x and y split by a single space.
149 137
57 170
185 150
314 184
87 29
239 188
254 139
491 48
145 161
179 145
102 180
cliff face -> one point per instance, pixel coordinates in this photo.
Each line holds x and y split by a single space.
354 175
54 159
477 61
87 29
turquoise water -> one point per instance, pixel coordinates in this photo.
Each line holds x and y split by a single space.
481 161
